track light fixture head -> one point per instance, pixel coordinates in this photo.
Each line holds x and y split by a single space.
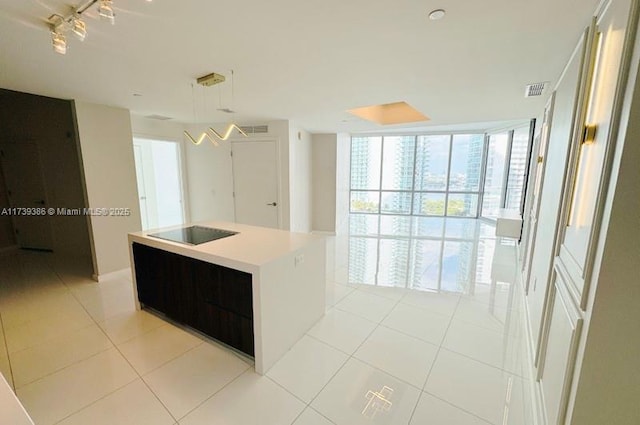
59 42
105 10
79 28
57 26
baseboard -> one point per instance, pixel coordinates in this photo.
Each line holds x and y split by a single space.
108 276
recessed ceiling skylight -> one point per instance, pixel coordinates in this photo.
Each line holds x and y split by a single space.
390 113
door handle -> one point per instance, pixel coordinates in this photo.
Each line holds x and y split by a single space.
273 204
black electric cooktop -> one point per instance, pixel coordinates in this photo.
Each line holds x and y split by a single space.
194 235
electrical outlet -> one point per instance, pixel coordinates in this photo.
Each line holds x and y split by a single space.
299 259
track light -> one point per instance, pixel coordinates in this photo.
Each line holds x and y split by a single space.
79 28
60 25
59 42
106 11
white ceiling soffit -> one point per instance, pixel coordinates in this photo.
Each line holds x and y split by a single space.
308 63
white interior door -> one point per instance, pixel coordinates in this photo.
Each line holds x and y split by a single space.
25 186
255 183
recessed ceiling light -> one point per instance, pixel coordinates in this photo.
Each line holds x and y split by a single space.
437 14
389 113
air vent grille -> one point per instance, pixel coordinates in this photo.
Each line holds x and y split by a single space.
535 90
255 129
158 117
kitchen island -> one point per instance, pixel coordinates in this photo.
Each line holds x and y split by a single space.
258 290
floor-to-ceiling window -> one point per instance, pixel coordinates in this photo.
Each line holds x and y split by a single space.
426 175
506 171
497 168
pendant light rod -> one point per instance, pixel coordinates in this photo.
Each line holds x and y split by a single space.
211 133
81 9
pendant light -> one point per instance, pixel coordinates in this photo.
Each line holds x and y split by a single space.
211 133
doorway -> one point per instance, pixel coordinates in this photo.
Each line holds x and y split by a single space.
27 196
159 180
255 183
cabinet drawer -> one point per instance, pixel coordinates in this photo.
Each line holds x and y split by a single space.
235 292
213 299
226 326
223 287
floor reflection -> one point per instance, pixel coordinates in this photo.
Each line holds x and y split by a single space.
452 255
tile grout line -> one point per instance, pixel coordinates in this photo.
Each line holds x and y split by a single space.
514 374
113 346
459 408
63 368
378 324
57 275
434 361
119 352
349 356
212 395
141 377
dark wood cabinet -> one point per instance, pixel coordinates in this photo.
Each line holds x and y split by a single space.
213 299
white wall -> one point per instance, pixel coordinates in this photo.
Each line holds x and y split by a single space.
279 131
109 172
551 196
343 176
208 170
300 175
156 129
609 376
323 156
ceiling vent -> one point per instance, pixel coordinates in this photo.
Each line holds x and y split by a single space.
255 129
535 90
158 117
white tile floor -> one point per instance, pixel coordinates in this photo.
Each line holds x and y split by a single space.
427 332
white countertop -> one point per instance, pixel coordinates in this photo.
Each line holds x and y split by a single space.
251 248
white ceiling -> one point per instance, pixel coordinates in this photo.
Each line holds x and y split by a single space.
307 61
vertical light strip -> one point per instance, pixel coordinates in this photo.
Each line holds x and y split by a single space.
576 218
